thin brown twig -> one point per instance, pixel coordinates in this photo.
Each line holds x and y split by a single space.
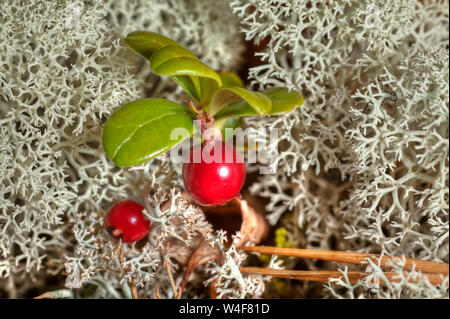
116 249
352 258
180 292
122 259
213 290
169 272
158 296
325 275
134 291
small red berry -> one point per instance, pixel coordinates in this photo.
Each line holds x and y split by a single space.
126 220
214 173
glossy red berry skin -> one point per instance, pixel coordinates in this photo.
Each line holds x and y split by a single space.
217 178
126 220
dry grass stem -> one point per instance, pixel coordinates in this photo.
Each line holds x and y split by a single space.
325 275
169 273
352 258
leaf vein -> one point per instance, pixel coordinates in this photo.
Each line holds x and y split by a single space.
142 125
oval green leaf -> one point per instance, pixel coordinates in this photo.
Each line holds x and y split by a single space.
229 94
167 57
187 66
188 85
145 43
169 52
143 129
207 89
283 101
231 79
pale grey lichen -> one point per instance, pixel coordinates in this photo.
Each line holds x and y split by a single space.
63 71
207 27
177 227
224 275
374 284
57 82
363 164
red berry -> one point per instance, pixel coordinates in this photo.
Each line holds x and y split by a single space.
126 220
214 173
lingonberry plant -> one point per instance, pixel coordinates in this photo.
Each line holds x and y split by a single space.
125 220
141 130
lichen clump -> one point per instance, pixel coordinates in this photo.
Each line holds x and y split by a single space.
363 165
63 72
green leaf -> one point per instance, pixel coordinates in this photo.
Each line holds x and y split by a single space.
196 78
145 43
188 85
229 94
207 88
187 66
231 79
167 57
283 101
168 53
236 109
142 130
